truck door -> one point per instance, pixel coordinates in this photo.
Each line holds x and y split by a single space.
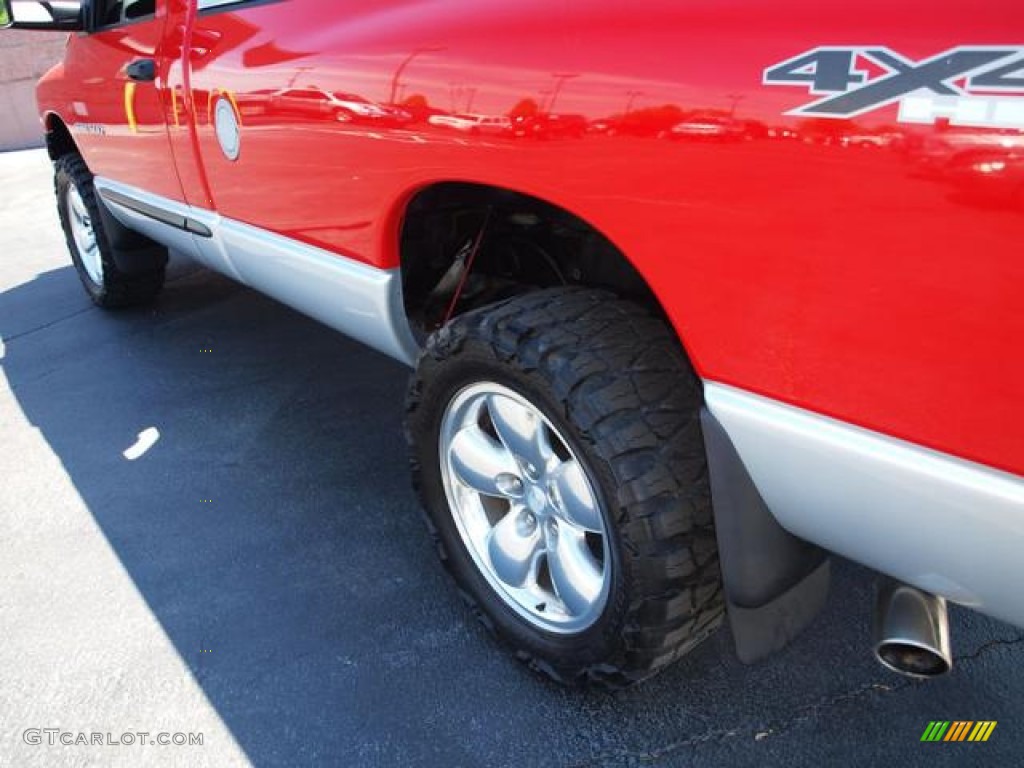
285 110
121 67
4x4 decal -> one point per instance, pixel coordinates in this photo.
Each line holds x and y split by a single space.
966 85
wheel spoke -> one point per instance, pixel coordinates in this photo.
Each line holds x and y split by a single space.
77 206
84 236
481 462
512 546
547 556
521 430
576 575
577 504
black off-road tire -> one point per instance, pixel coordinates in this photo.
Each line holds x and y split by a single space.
119 287
615 382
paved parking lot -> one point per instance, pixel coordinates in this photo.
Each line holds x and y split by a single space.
261 576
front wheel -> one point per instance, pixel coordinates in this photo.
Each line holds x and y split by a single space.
91 242
557 450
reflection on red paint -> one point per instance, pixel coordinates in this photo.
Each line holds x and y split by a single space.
862 268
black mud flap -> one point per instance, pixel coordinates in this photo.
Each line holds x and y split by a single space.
775 583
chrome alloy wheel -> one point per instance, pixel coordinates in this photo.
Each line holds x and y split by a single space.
525 508
84 235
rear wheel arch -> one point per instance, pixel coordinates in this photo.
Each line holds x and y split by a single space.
563 247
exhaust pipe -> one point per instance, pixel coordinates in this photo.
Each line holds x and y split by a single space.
911 630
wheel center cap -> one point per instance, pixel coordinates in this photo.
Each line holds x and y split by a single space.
536 499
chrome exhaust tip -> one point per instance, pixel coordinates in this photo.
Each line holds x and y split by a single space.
911 630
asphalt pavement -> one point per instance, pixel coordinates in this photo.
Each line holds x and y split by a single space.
254 568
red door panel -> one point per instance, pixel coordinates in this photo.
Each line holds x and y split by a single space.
119 123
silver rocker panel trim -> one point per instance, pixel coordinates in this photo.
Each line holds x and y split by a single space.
946 525
356 299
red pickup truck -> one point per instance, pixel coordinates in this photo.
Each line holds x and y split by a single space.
701 293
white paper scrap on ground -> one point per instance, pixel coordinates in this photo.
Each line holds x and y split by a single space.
147 439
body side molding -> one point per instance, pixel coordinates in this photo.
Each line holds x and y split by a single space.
161 214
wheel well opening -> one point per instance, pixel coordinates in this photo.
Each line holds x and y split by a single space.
58 138
466 245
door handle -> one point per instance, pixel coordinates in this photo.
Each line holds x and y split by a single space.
142 70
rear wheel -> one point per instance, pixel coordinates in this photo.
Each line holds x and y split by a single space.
557 449
86 229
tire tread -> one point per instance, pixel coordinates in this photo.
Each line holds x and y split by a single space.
626 385
119 289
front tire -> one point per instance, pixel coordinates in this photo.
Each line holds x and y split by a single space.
86 227
556 447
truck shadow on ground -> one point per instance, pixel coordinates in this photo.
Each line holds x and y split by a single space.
272 523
